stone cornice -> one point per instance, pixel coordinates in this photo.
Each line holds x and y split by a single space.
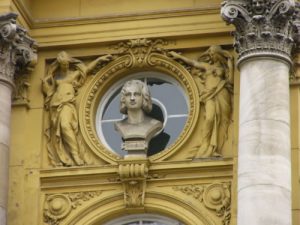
263 28
18 50
35 23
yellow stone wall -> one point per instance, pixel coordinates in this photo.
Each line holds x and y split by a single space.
87 29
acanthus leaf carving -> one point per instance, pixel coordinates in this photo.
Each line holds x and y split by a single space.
18 50
262 27
215 197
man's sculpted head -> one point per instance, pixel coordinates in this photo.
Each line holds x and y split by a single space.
135 95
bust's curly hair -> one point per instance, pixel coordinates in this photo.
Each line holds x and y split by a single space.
147 102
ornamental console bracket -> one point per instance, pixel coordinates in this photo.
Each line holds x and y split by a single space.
133 174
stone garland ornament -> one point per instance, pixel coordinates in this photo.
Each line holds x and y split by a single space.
20 97
215 197
263 27
64 77
213 74
58 206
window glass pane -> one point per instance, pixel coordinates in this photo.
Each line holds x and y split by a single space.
143 219
152 223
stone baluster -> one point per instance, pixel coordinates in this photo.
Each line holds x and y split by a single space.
17 54
263 41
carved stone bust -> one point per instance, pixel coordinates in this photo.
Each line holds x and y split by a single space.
137 129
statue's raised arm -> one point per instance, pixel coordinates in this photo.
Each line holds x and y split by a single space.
191 62
64 78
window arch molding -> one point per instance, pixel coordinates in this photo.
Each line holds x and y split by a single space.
124 65
107 209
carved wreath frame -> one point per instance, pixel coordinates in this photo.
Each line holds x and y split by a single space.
120 67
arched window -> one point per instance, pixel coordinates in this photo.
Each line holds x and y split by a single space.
144 219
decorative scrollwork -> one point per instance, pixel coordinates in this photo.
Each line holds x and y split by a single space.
58 206
133 177
216 197
140 50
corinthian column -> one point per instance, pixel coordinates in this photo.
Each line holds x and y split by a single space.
17 54
263 42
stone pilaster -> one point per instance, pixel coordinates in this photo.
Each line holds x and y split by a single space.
263 40
17 54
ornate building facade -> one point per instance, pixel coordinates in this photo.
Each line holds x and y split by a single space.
137 112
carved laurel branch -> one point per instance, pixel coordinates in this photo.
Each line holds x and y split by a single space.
59 206
216 197
265 33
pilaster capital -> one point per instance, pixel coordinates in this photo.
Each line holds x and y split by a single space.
264 28
18 50
296 23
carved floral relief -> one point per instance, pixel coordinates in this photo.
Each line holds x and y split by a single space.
58 206
215 197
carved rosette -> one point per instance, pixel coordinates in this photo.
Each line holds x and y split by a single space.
58 206
18 50
263 28
133 177
215 197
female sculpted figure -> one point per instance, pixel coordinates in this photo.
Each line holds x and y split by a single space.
213 73
64 77
136 102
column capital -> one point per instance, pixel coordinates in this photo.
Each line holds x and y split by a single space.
264 28
17 49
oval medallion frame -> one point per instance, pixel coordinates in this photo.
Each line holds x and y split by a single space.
120 68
